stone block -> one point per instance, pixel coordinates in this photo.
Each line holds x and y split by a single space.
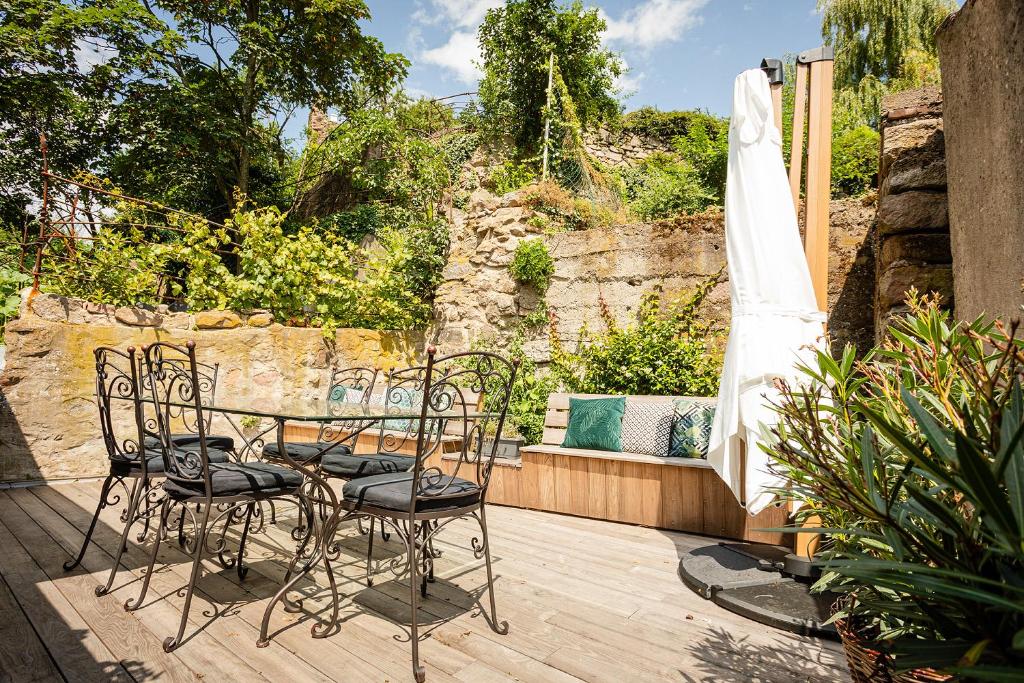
260 319
915 248
915 174
920 102
912 212
217 320
138 317
917 143
51 307
896 280
177 321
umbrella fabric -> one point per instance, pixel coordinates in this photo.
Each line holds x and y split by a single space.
775 318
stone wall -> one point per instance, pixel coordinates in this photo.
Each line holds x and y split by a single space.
616 149
48 417
913 223
479 301
981 50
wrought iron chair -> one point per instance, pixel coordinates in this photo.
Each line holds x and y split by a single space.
202 487
343 383
207 374
404 389
470 391
119 382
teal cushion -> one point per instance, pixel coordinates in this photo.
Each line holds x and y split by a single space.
595 423
691 429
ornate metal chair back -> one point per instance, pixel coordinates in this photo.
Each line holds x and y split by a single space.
176 385
207 375
340 392
404 393
468 395
117 385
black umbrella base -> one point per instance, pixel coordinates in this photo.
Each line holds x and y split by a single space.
747 579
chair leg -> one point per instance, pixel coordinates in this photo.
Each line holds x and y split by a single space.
240 566
147 485
200 540
104 490
133 514
130 605
428 562
501 627
414 593
369 552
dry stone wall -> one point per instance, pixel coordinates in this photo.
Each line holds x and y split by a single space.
480 303
618 149
913 219
48 418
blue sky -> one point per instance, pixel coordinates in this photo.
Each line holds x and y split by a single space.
682 54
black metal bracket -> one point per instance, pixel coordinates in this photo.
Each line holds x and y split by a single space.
818 54
773 69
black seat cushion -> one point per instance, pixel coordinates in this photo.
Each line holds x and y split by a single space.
305 451
353 466
155 462
223 443
394 491
239 479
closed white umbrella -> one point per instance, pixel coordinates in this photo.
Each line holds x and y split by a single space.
775 319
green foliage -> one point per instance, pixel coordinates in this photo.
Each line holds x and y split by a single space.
509 176
663 185
668 351
666 124
532 264
704 145
515 42
854 161
528 400
881 46
913 460
11 283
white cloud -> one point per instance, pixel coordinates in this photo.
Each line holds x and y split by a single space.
457 55
460 13
654 22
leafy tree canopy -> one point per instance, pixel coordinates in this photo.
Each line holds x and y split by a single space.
515 43
881 46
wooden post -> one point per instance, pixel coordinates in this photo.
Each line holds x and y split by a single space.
819 171
796 153
814 73
547 115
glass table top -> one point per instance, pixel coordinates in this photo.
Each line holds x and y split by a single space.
320 410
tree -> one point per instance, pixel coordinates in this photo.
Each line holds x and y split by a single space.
881 46
63 69
515 42
241 69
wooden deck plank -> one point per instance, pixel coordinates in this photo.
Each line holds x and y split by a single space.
77 651
586 600
138 649
23 657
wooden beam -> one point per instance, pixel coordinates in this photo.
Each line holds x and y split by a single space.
777 105
819 174
796 153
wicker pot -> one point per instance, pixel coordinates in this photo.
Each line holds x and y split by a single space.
868 665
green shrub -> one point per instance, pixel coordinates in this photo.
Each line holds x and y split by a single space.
913 461
705 146
532 264
668 351
663 185
510 176
665 124
854 161
11 283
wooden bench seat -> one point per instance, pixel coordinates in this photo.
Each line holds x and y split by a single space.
683 494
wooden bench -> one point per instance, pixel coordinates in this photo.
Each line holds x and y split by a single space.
683 494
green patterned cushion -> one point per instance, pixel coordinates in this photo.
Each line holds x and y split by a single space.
595 423
691 430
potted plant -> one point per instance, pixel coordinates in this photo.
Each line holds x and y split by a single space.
913 459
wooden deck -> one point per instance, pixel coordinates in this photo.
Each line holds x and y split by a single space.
586 600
